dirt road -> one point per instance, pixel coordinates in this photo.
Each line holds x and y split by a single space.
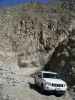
18 85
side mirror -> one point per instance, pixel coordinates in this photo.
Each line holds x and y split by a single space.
39 76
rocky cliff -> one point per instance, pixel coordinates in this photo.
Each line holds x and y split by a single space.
35 37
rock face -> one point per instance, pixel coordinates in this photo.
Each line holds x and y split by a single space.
63 59
31 37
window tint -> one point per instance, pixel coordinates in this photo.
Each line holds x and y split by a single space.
48 75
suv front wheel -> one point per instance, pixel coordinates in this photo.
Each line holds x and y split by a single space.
60 93
42 88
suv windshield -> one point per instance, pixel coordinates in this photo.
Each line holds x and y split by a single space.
50 75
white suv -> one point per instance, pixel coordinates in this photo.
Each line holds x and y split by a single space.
50 81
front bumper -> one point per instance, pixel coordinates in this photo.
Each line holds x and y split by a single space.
51 88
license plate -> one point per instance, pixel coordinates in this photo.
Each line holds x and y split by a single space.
57 89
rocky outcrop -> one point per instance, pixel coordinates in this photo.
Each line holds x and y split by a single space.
63 58
35 39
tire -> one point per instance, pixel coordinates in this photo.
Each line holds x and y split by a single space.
42 88
35 83
60 93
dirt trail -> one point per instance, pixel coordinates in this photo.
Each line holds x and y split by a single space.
15 85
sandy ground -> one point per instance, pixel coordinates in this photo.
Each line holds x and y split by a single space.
16 84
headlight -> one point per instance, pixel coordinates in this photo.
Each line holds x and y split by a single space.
48 83
44 81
